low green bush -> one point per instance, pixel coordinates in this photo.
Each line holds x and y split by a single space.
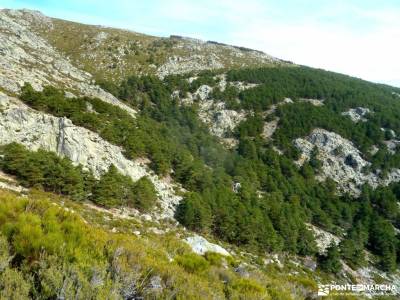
192 263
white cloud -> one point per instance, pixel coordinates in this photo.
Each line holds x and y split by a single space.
180 10
209 10
368 50
338 36
361 40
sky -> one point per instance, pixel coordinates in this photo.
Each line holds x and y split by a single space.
356 37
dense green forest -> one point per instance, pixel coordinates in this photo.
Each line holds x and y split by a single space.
339 92
276 199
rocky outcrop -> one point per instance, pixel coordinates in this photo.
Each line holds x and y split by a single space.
373 150
25 57
269 128
323 238
242 86
341 161
392 145
221 121
315 102
9 183
368 275
180 65
196 55
357 114
100 38
273 107
200 246
21 124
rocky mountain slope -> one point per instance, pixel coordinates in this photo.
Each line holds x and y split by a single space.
34 130
252 176
341 161
115 54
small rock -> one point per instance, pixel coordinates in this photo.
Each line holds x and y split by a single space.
156 230
69 95
147 217
155 283
200 246
242 271
310 263
236 187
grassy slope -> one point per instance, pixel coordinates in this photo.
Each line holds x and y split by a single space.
48 234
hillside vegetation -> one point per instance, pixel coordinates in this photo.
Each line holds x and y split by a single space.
276 198
49 251
129 155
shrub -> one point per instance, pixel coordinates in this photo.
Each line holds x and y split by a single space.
215 259
13 285
192 263
249 288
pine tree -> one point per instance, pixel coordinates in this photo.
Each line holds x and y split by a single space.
383 242
145 194
112 189
193 213
330 262
352 247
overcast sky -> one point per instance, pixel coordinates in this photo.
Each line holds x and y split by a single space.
355 37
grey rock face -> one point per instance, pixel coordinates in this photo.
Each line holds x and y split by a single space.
21 124
341 161
392 145
207 56
9 183
180 65
323 238
270 128
27 58
221 121
357 114
315 102
310 263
